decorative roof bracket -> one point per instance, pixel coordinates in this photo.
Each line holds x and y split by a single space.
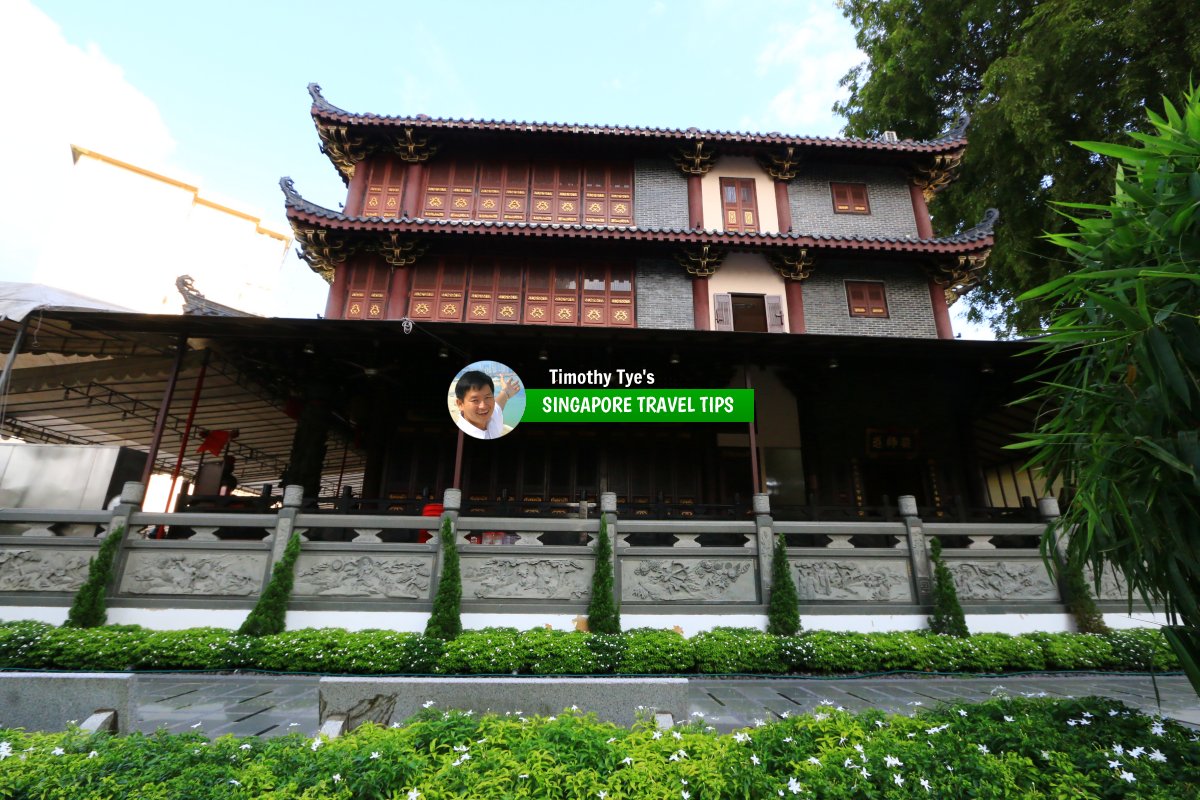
412 149
342 149
958 277
697 161
322 251
932 177
794 265
781 168
701 262
399 251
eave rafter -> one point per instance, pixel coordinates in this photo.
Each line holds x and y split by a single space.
702 261
781 167
795 265
695 160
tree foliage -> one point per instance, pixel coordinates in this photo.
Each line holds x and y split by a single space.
269 615
89 609
604 615
1034 75
1121 384
783 609
446 620
947 617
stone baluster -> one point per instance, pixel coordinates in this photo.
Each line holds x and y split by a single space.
918 553
1049 513
451 505
285 521
132 495
608 512
765 540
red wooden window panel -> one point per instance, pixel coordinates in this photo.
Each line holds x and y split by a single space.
450 190
367 295
385 184
422 298
537 293
608 195
866 299
490 203
850 198
516 192
739 205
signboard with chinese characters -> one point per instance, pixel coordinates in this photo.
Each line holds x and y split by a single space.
892 443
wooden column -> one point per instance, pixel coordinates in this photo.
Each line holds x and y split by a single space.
700 309
398 293
783 209
336 302
920 212
413 179
357 190
795 305
695 203
164 408
941 312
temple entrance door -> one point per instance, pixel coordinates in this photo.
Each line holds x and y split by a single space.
893 479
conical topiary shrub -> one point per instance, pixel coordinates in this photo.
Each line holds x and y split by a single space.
783 610
446 620
948 617
89 609
269 615
604 615
1080 602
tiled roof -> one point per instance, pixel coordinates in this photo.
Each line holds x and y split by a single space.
973 239
952 140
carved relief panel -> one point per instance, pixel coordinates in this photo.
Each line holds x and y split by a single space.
526 578
194 572
684 580
1002 580
868 580
43 570
374 576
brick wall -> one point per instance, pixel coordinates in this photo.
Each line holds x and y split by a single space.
660 198
664 295
887 194
910 312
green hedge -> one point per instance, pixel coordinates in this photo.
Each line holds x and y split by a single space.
999 749
642 651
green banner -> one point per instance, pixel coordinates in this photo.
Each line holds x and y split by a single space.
639 405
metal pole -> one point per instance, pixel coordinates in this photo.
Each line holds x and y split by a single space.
756 483
160 421
187 429
458 460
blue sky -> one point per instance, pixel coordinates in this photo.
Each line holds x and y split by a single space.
213 93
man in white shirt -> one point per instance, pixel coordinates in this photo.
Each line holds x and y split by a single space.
480 407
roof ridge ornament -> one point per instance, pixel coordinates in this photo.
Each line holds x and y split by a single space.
320 103
959 129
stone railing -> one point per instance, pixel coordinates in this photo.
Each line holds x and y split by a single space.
385 562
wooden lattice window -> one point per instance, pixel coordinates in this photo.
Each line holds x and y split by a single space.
866 299
739 204
850 198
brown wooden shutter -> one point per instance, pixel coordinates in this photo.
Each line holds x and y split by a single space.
565 295
739 205
857 296
542 202
462 195
723 311
368 286
620 297
858 198
595 195
774 313
620 195
516 192
491 190
423 297
508 291
437 189
876 302
748 205
841 197
452 288
569 201
850 198
481 294
537 293
729 204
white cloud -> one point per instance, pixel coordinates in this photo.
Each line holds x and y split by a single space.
58 94
807 60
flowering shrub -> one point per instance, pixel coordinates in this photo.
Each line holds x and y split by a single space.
1003 748
642 651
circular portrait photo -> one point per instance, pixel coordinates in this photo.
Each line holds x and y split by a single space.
486 399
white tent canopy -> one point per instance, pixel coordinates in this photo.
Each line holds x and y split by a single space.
19 300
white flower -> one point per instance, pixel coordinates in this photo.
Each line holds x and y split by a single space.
602 794
244 747
892 761
1118 750
898 778
1085 722
859 748
1046 754
684 794
820 717
741 738
93 754
5 750
793 786
849 764
1087 715
865 774
337 777
430 703
1113 713
460 748
1157 729
657 735
1114 764
1137 751
814 760
395 724
58 751
374 754
915 703
983 748
787 739
551 719
925 784
627 760
610 740
315 744
574 708
962 713
911 735
677 735
522 775
1155 755
1007 718
413 794
1072 723
878 723
197 725
235 782
754 760
785 715
1127 776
